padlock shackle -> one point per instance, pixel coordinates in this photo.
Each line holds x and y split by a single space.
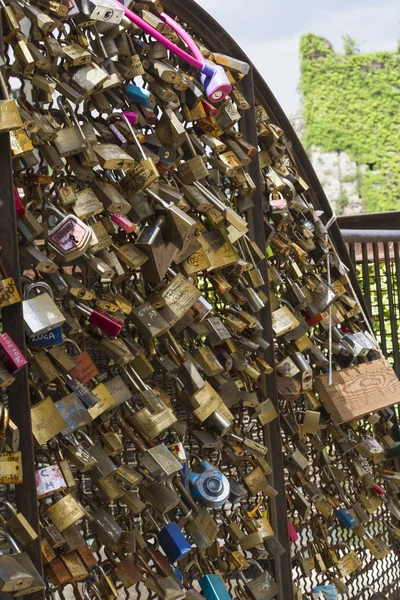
136 375
73 344
131 378
213 199
9 506
158 199
10 540
87 438
38 284
124 118
196 60
93 588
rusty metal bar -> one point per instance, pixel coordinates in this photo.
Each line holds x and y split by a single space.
365 278
272 437
13 323
352 253
392 308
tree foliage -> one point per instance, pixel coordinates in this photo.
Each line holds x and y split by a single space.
352 104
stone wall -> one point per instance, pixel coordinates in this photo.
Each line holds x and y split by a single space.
339 175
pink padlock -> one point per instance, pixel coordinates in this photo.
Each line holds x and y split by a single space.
131 116
123 222
210 109
10 354
105 322
19 207
379 490
293 535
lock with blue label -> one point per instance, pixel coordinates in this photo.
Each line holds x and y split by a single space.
346 518
210 487
83 392
54 337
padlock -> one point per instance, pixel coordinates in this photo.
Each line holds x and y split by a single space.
210 487
125 571
262 586
65 512
70 238
104 321
102 524
8 291
166 585
70 140
27 566
212 585
78 455
40 313
171 539
346 518
10 355
13 577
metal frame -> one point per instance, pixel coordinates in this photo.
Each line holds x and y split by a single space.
272 436
13 323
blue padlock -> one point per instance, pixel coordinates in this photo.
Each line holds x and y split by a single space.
177 572
346 518
210 487
139 95
213 587
171 539
173 542
54 337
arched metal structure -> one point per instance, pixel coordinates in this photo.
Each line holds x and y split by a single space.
256 91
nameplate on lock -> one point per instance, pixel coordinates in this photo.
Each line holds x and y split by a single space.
47 339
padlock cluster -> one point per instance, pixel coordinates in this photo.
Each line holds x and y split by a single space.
142 295
338 483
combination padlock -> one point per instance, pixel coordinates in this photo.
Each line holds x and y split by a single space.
210 487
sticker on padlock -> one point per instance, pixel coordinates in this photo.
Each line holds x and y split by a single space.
70 238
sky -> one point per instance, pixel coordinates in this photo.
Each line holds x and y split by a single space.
269 33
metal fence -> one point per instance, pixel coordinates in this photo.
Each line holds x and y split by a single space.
373 241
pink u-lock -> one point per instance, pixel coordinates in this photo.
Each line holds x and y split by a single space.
213 77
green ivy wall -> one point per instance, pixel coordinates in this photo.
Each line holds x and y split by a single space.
352 104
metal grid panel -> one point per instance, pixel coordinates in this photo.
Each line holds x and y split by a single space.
381 575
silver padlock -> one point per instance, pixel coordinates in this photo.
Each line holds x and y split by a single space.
40 313
101 10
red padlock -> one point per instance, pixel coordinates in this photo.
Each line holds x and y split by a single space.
123 222
19 207
105 322
379 490
313 320
293 535
10 354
